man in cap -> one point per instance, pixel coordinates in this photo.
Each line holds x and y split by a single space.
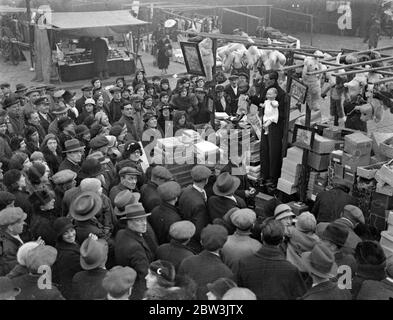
350 218
44 119
32 95
12 221
131 248
329 205
177 249
334 236
240 245
271 144
73 153
225 198
15 115
115 105
137 113
87 284
378 290
232 94
119 282
60 111
37 258
87 93
322 268
150 197
32 119
128 180
20 92
166 213
267 273
127 111
193 202
207 267
5 88
63 180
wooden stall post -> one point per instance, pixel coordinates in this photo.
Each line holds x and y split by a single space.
214 81
305 168
288 107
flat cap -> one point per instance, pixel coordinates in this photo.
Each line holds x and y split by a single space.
98 142
182 230
129 170
213 237
243 218
41 100
40 256
233 77
123 199
306 222
87 87
161 173
119 280
9 216
6 198
64 176
169 190
200 173
353 213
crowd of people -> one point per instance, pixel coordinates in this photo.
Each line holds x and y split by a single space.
75 198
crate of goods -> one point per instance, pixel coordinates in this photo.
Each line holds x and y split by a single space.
323 145
378 138
336 156
386 148
297 207
191 135
286 186
384 188
319 162
261 200
352 162
338 170
368 172
357 144
386 172
207 151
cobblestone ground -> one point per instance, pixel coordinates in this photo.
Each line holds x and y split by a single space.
22 73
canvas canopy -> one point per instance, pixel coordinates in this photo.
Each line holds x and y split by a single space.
93 24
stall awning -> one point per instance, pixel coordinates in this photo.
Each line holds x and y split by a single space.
96 23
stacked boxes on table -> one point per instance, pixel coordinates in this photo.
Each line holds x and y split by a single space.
290 171
254 170
387 237
318 158
207 153
357 152
170 150
260 203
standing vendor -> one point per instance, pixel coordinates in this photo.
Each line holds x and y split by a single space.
100 53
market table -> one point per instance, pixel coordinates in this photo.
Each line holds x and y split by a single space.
85 70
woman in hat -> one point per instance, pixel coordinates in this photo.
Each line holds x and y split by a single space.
165 87
5 149
185 102
99 90
151 131
139 78
147 105
32 139
164 51
18 145
43 216
165 120
68 255
70 102
88 110
180 122
161 283
152 91
51 149
37 178
126 95
120 82
101 104
220 100
66 131
162 101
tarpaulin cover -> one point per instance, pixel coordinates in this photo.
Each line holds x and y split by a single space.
93 24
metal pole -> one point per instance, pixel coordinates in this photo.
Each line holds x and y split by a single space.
287 108
270 16
31 42
214 71
311 29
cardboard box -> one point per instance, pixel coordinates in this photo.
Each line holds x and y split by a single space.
333 133
339 170
378 138
385 189
319 162
323 145
368 172
169 144
349 176
357 144
386 173
295 154
286 186
351 162
336 156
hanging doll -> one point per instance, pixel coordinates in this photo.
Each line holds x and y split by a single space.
271 109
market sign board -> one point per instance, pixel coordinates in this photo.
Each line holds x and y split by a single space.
298 90
192 58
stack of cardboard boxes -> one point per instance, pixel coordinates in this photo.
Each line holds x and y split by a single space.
290 171
316 184
254 169
387 237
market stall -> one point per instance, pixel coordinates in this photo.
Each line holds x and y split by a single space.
73 33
